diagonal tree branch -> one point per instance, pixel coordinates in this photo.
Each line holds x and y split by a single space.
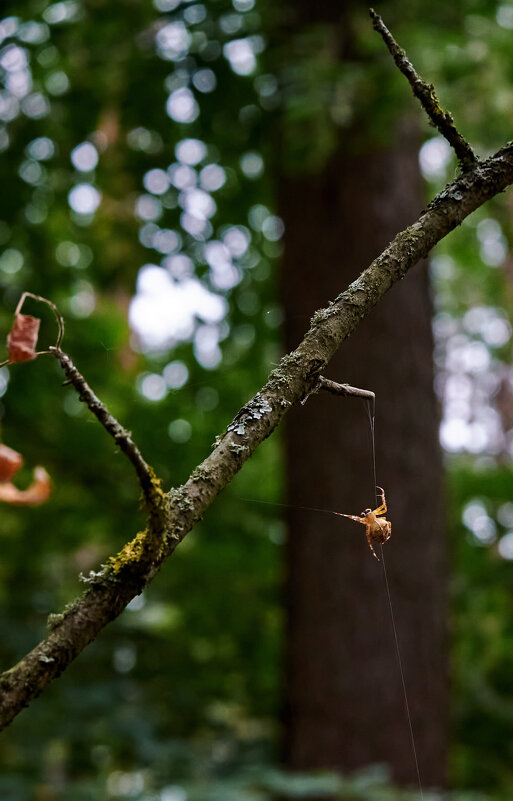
425 92
125 575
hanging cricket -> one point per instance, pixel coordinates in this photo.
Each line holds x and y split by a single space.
377 529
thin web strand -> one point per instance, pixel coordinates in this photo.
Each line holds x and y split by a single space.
370 404
401 671
371 410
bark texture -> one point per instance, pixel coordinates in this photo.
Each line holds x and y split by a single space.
344 697
345 705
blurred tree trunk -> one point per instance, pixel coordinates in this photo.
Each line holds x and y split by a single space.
344 699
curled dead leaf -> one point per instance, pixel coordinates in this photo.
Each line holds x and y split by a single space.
22 340
38 492
10 462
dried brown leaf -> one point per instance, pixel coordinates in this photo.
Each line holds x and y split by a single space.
10 462
22 340
38 492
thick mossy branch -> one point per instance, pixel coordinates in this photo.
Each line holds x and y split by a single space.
126 574
425 92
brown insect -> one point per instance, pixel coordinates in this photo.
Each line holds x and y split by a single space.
377 529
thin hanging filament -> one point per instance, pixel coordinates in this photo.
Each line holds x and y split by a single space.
371 411
401 671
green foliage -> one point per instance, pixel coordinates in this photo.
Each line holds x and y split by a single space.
482 623
185 658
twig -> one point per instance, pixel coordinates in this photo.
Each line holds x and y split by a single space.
345 390
121 436
425 92
58 317
57 314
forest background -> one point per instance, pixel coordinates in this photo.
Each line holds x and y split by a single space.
139 164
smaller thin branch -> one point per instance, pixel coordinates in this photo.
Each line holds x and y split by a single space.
346 390
121 436
58 316
425 92
343 390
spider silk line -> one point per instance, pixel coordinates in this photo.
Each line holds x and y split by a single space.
401 671
371 411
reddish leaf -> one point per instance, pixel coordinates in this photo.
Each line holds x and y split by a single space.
38 492
22 340
10 462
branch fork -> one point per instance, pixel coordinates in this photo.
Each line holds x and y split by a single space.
22 343
425 92
342 390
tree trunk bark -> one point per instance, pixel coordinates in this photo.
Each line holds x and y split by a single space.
344 705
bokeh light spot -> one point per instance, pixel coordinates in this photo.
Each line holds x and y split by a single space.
505 546
190 151
173 41
148 208
252 165
35 106
156 181
434 156
212 177
41 149
180 430
152 386
204 80
175 374
84 199
181 106
239 53
84 157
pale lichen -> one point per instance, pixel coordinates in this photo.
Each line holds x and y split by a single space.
322 315
179 499
204 473
257 407
237 448
94 577
45 658
54 619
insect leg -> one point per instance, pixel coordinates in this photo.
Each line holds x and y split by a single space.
369 540
381 510
351 517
